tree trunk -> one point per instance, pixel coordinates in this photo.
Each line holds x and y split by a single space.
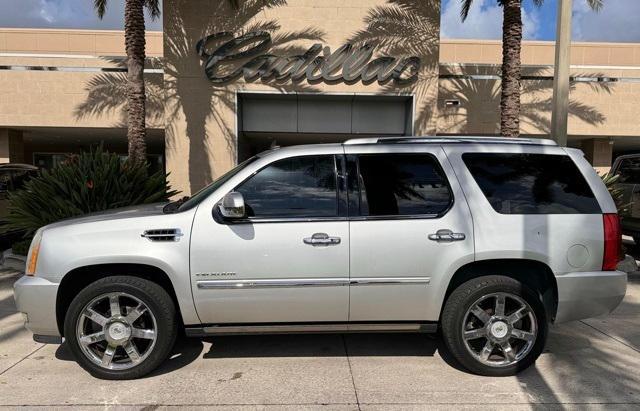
135 43
511 43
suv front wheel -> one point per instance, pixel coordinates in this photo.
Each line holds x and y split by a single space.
494 325
121 327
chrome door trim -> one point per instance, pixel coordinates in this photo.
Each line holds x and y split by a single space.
272 283
390 281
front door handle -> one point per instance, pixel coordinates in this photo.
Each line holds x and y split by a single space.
321 239
446 236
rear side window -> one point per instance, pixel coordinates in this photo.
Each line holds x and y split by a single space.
531 183
402 185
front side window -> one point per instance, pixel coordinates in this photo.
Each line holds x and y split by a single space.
402 185
531 183
205 192
293 187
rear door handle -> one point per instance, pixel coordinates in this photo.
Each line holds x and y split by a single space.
321 239
446 236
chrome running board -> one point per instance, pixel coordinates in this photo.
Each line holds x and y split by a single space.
240 329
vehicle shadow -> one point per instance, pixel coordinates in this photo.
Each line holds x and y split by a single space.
188 350
185 351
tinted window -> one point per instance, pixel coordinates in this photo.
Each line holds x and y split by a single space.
629 170
198 197
402 184
531 183
293 187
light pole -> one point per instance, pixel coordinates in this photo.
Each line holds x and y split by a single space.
560 105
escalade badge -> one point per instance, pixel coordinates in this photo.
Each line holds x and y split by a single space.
218 274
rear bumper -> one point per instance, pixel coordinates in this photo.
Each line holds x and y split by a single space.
36 299
589 294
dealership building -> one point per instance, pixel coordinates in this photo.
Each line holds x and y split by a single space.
224 84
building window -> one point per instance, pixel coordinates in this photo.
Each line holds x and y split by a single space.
49 160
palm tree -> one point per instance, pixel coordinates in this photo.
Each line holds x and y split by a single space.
134 35
511 42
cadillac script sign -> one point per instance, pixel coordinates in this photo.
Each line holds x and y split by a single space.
248 56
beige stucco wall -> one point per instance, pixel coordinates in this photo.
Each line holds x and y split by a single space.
200 117
80 42
607 109
540 52
55 78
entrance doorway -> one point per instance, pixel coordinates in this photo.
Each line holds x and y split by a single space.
267 120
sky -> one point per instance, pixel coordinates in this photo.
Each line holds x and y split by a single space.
617 21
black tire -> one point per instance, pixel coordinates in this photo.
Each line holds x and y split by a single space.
455 311
158 302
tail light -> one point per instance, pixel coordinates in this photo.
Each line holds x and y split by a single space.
612 242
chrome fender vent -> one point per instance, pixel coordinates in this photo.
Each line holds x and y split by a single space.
163 234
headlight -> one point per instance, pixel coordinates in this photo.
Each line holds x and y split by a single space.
32 255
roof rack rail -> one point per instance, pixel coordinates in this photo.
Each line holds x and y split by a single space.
451 139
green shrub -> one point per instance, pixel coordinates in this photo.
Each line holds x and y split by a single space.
21 247
89 182
611 181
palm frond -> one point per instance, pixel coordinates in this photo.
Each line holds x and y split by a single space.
464 11
596 5
153 6
100 6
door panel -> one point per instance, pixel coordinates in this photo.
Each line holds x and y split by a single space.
287 260
285 279
397 272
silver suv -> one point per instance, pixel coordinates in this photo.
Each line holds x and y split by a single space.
488 240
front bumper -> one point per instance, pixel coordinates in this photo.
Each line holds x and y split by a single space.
589 294
36 298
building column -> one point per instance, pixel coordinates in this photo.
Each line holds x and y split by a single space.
11 146
599 152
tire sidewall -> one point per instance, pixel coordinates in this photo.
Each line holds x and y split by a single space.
153 296
474 290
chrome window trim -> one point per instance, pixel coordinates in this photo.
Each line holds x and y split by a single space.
309 282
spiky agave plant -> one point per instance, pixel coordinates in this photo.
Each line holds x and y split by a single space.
611 182
89 182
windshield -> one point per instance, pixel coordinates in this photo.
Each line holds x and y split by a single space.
206 191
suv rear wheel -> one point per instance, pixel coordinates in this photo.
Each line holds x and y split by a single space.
494 325
121 327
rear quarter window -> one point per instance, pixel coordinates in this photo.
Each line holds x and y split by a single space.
515 183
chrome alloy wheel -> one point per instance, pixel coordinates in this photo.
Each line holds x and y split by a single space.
116 331
499 329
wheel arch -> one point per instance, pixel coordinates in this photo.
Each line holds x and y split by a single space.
78 278
535 274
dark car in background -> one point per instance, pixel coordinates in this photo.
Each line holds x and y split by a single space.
628 167
12 177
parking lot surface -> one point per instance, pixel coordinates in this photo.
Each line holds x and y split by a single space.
593 363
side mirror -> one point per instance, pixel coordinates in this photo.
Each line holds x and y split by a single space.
232 205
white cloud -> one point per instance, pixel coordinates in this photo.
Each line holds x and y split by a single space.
65 14
484 21
616 21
